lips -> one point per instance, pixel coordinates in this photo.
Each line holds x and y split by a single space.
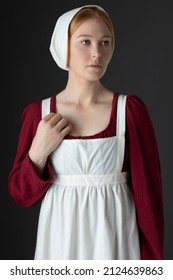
95 66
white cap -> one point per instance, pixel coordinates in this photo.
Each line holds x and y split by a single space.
59 40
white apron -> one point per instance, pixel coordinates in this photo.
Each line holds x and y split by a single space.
88 213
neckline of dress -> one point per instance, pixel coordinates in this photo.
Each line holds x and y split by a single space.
92 136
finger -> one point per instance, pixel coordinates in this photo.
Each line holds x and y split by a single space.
65 130
48 117
55 119
61 124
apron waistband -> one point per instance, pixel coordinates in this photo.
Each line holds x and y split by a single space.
91 180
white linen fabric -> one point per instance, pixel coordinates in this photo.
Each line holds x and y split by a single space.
59 39
88 213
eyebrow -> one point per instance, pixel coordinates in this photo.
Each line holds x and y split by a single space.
87 35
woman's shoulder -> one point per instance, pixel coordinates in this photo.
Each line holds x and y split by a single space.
33 110
136 105
135 100
137 111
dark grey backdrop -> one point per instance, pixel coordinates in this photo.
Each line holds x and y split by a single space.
141 65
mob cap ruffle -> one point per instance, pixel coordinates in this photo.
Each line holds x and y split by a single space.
59 40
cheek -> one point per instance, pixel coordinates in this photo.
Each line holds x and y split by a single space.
108 56
76 56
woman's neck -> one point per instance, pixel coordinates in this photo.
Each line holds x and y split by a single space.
83 93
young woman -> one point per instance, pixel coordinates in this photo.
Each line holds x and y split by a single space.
90 155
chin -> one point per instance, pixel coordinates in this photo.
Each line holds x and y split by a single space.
93 77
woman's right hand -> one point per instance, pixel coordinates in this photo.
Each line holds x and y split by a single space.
50 132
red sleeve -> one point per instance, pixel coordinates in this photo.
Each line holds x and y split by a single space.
146 179
25 186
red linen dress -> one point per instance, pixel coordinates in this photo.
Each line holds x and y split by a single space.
141 159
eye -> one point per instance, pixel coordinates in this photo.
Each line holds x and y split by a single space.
86 42
105 43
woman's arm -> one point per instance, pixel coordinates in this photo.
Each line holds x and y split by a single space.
25 185
146 179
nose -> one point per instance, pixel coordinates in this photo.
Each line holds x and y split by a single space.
96 52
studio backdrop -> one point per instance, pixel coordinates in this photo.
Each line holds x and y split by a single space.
141 65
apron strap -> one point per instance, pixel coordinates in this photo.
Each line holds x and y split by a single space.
120 131
45 107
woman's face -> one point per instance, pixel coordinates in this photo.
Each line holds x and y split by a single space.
90 50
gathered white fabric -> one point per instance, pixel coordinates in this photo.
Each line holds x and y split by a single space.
88 213
59 40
